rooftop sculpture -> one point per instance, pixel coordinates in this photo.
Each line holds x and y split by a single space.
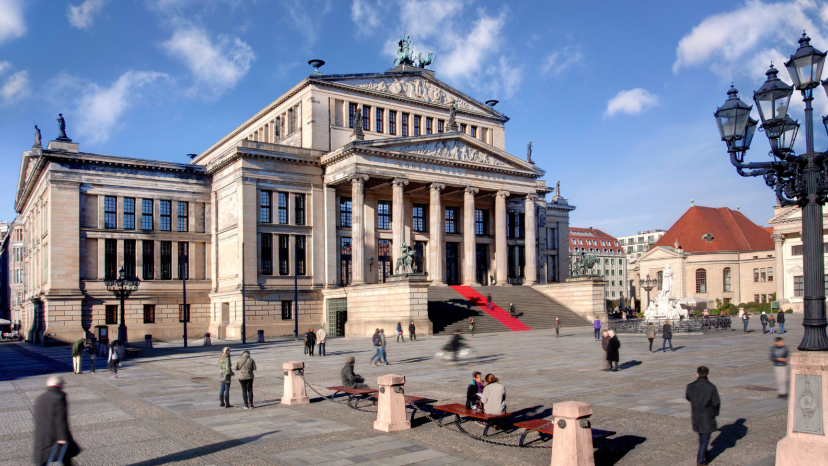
405 54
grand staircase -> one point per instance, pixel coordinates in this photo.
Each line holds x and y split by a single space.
450 307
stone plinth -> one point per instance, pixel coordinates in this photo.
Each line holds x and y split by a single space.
583 296
806 442
294 393
391 404
572 442
402 298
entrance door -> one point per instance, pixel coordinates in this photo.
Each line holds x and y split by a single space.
482 251
337 316
452 275
384 256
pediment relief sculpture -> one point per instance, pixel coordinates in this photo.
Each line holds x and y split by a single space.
451 149
413 88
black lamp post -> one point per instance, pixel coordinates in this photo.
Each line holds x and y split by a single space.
648 285
122 287
797 179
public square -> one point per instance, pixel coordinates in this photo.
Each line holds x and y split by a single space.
163 408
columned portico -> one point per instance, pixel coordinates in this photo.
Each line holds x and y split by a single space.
501 251
358 228
531 240
397 218
469 240
435 227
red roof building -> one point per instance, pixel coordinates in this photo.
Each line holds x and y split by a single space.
729 230
613 263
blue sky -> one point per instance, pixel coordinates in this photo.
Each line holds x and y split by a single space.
617 97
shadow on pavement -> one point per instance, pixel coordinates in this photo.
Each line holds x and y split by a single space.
612 450
199 451
629 364
727 438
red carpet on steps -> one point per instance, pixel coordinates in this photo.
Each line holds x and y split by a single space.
502 316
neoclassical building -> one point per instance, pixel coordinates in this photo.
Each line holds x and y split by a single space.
318 190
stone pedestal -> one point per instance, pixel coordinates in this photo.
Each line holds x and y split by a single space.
391 404
294 393
402 298
806 442
572 442
582 295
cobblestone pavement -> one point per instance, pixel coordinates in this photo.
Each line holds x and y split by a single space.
163 408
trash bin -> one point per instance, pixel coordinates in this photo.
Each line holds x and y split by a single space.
207 340
148 341
260 338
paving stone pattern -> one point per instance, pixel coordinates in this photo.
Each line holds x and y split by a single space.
163 409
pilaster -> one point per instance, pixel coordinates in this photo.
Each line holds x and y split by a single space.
531 241
397 217
469 239
358 229
435 228
501 248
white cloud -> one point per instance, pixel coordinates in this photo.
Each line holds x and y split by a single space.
12 24
557 62
15 88
82 16
365 16
631 102
216 67
98 110
4 66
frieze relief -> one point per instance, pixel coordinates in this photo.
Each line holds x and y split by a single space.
416 88
451 149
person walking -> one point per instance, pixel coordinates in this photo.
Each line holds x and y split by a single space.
114 359
704 407
779 356
612 350
375 339
399 332
764 319
650 331
605 338
471 326
321 337
246 365
226 368
493 396
667 336
383 346
745 320
51 424
489 301
349 378
305 342
77 353
310 337
557 327
596 325
92 348
512 311
772 324
474 391
780 319
412 331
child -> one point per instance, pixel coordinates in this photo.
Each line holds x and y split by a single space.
772 323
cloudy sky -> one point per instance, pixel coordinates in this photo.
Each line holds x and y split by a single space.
617 97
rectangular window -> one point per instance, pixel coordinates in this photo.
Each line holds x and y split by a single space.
366 117
441 126
166 212
429 124
300 255
451 220
287 310
755 275
417 119
796 250
110 258
481 222
474 131
352 108
404 124
129 213
770 274
149 313
110 212
756 298
111 314
799 286
379 119
283 208
345 207
462 127
148 259
392 122
419 216
265 207
129 258
764 298
267 254
299 208
166 260
146 214
514 225
384 215
183 260
181 315
763 275
183 216
284 248
345 260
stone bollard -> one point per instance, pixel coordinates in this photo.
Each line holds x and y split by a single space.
148 341
572 442
391 404
207 340
260 338
294 393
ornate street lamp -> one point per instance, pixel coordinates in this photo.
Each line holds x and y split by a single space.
122 287
647 285
796 179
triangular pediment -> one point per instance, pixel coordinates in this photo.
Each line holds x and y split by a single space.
457 147
417 86
27 164
659 252
784 215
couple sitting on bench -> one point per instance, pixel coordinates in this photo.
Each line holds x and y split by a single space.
486 397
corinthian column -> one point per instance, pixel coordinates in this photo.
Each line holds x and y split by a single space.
779 272
469 239
435 229
531 270
358 228
501 249
397 218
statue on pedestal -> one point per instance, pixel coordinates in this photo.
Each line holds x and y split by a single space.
406 260
452 122
529 153
62 129
667 281
38 139
358 125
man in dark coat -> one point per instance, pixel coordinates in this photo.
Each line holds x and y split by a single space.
613 345
704 407
310 337
780 319
52 424
412 331
349 378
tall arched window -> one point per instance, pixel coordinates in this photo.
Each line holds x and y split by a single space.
701 281
660 276
726 278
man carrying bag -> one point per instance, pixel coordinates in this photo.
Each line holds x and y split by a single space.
52 439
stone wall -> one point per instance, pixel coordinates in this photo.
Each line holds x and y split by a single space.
401 299
583 296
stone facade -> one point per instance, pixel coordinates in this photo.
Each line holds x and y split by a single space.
292 198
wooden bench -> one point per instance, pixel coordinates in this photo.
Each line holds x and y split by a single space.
415 403
460 411
546 427
355 394
133 352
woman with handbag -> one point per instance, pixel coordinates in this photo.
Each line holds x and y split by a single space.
226 374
